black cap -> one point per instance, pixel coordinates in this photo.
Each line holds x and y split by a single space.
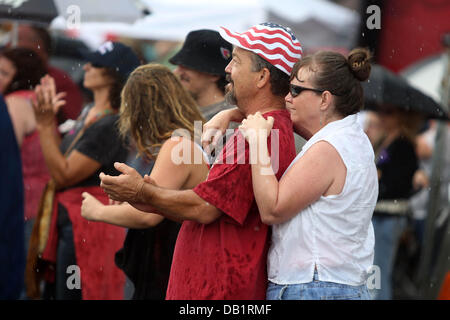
204 51
114 55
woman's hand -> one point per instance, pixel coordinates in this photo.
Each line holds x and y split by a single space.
91 207
214 129
47 103
256 128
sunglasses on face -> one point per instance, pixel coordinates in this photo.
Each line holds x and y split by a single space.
296 90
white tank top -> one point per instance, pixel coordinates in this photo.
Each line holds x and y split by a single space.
335 233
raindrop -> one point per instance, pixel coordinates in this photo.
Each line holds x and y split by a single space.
420 49
362 34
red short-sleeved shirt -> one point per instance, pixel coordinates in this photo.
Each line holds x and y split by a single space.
226 259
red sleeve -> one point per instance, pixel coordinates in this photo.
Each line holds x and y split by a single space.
229 186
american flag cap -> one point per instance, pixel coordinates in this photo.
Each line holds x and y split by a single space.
272 42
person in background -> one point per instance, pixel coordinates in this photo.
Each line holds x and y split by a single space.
421 181
39 40
155 107
396 163
12 257
221 248
201 66
89 148
20 71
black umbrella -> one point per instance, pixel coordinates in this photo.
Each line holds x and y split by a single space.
385 88
35 11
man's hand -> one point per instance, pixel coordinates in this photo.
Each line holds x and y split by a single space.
125 187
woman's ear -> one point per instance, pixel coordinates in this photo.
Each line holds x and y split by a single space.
327 100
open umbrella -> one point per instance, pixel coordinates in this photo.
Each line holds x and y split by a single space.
33 11
386 88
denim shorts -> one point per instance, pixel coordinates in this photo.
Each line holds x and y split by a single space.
317 290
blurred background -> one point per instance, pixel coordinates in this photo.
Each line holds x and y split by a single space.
409 40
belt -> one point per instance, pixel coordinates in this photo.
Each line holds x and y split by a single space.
393 207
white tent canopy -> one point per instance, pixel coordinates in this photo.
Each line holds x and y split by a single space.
174 19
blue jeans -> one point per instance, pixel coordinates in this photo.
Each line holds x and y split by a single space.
388 230
317 290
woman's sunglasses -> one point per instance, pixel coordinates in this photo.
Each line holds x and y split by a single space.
296 90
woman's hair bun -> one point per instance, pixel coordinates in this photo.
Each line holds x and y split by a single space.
359 63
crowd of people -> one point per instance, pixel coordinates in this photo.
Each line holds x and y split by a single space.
242 215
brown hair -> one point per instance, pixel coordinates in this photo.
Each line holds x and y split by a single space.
339 75
30 69
154 104
115 90
409 122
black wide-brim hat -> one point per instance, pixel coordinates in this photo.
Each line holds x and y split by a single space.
113 55
204 51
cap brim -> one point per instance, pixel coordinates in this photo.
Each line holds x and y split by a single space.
91 57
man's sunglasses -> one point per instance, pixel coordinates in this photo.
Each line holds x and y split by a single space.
296 90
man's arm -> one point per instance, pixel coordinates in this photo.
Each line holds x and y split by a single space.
176 205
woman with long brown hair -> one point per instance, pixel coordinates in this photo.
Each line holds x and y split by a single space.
154 108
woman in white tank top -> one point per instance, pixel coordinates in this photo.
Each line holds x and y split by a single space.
321 209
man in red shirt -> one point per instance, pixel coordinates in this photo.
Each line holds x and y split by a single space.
222 245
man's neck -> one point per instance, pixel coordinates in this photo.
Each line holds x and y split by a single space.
209 96
264 104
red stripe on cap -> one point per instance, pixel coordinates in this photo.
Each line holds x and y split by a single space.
277 31
278 50
287 52
261 47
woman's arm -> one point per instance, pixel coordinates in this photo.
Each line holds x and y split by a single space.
166 173
215 128
21 115
122 215
319 172
65 171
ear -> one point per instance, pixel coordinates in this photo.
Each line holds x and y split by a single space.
263 78
327 101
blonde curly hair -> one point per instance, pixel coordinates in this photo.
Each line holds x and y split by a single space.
154 105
